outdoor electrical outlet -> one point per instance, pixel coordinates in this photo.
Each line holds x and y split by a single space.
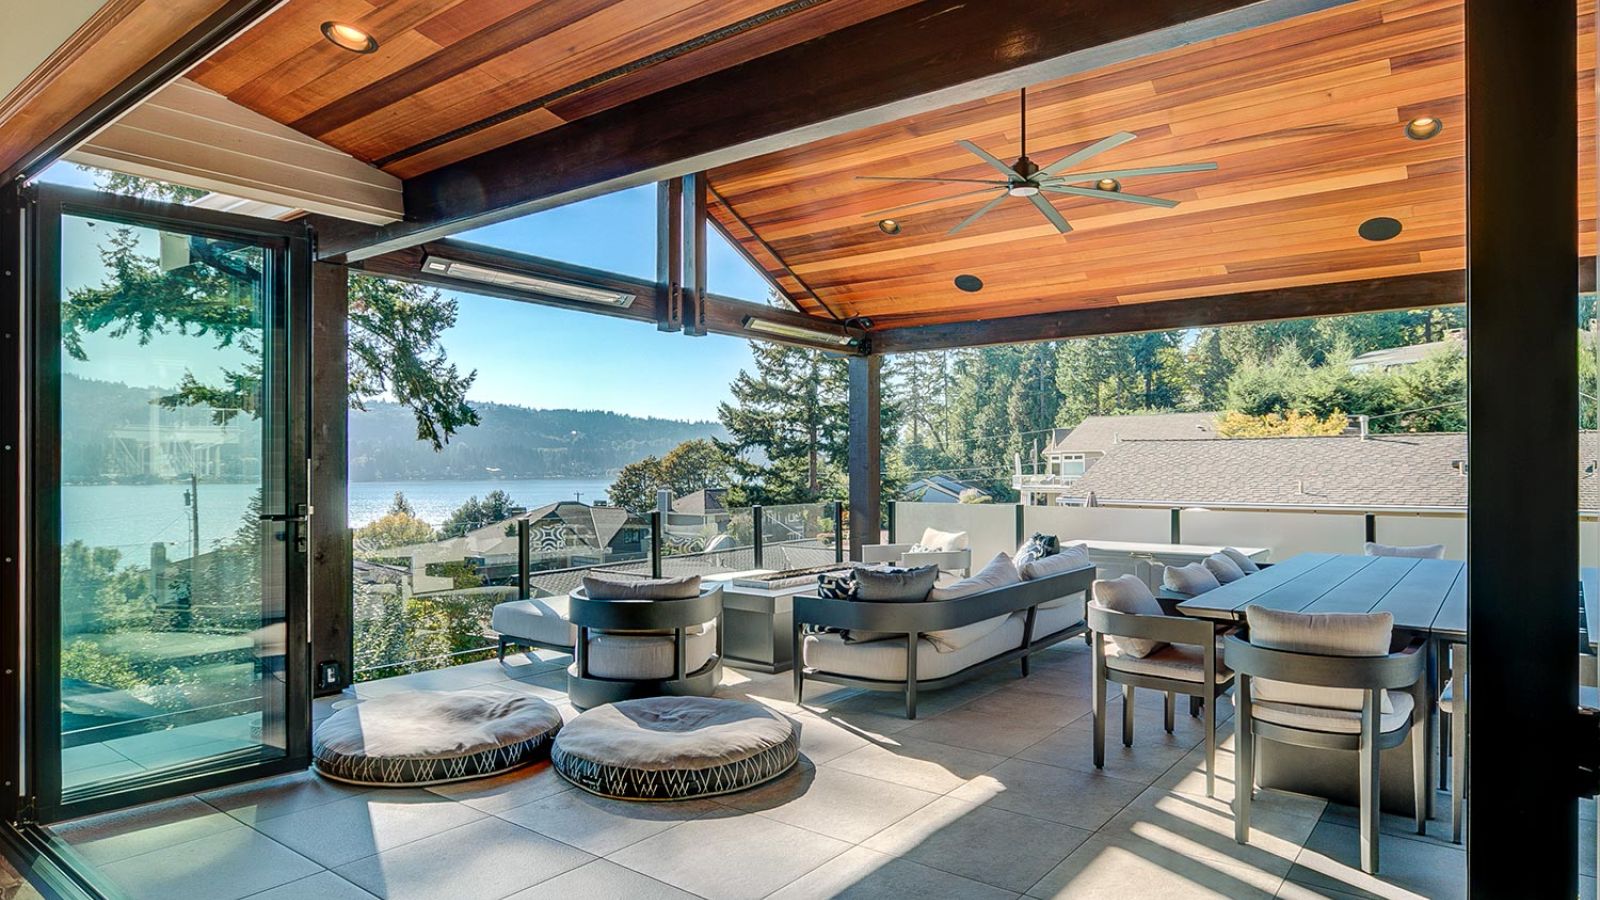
328 674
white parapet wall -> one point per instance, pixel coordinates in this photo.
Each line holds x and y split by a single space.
1411 530
1099 523
990 528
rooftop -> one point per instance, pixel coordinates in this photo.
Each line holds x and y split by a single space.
1098 434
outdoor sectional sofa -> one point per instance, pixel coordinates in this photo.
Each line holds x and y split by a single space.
1039 613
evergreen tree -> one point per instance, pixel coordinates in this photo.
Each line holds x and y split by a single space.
691 466
794 411
496 506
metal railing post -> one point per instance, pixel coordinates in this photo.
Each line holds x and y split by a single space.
1177 526
891 522
524 560
655 543
1372 527
1021 525
838 532
759 540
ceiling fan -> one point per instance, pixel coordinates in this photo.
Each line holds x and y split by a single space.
1026 179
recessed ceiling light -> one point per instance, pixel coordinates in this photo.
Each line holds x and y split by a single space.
349 37
1424 127
1380 228
969 283
1108 184
888 226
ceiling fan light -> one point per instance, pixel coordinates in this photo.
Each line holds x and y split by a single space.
1108 184
1023 189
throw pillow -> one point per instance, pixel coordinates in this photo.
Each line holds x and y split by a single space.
1039 546
1245 563
837 586
1067 560
1194 578
1223 566
600 587
1000 572
1128 594
936 541
1326 634
894 584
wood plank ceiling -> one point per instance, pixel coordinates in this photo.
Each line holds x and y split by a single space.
454 78
1305 119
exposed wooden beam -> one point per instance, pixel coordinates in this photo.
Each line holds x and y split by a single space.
332 615
930 55
865 458
1522 403
723 315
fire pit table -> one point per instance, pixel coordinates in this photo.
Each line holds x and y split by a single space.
758 614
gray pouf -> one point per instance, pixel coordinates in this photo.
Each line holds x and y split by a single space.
675 748
431 737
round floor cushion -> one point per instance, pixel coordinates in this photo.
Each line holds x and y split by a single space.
675 748
430 737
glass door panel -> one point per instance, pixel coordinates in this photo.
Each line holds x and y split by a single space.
174 536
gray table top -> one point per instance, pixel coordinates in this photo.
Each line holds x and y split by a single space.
1425 595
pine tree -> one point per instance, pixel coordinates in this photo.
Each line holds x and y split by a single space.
794 411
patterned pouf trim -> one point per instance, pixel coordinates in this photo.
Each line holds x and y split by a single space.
675 748
420 738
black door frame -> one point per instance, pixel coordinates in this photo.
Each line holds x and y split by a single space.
290 245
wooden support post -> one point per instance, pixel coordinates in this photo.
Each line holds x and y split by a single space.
694 254
332 611
866 451
1522 403
669 254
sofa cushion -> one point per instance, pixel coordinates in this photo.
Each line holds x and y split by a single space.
1066 560
1419 551
893 584
600 587
1325 634
1058 615
1184 662
1222 566
542 619
1245 563
886 660
1000 572
1193 578
1127 594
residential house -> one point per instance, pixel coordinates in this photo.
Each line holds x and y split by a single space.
1072 451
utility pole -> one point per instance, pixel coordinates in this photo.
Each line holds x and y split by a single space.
192 500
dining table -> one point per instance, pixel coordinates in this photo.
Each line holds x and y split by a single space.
1428 599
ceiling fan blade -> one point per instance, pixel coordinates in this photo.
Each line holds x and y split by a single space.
880 213
1110 195
989 158
1080 177
1095 149
1050 213
979 214
994 181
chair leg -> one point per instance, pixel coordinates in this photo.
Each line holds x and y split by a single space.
1458 769
1127 715
1024 665
1170 711
1244 773
1369 788
502 648
1211 747
1419 777
1445 729
1099 699
1194 707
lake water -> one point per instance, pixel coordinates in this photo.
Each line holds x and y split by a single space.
132 517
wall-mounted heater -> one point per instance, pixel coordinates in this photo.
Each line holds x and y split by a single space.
535 284
800 332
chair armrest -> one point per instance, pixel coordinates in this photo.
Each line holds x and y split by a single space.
877 553
1397 670
1171 629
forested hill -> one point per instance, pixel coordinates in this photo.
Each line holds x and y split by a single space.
517 441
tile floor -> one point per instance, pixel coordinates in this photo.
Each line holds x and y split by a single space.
990 794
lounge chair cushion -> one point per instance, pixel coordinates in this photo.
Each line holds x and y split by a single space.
1223 567
1245 563
430 737
1419 551
599 587
643 656
1183 662
936 541
1000 572
1193 578
675 748
1127 594
542 619
1321 718
885 660
1325 634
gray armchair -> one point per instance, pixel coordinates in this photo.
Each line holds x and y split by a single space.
1368 731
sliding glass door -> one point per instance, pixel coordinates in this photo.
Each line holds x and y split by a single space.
167 616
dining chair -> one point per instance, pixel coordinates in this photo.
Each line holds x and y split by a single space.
1328 682
1136 645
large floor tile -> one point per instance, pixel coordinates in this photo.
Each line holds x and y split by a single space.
1119 867
1072 747
601 879
503 792
337 833
456 678
226 866
730 857
1068 796
862 873
830 801
1332 859
130 832
977 726
1203 828
258 801
1000 848
924 765
600 825
823 739
483 860
321 886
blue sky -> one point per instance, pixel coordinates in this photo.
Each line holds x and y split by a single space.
537 356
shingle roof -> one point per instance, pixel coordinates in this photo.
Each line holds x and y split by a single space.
1098 434
1393 471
